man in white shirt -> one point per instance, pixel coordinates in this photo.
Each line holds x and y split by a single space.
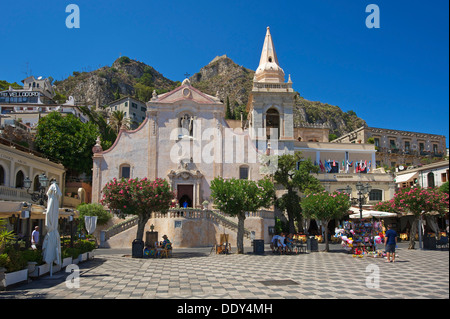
274 243
35 238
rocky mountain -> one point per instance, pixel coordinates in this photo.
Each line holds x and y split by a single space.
340 122
221 77
104 85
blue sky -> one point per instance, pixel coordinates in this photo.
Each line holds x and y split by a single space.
394 77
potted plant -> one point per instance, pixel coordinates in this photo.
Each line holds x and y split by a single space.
15 265
205 204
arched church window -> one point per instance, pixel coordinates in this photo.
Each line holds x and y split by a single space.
186 124
272 124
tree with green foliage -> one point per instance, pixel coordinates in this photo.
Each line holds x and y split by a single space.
107 133
238 110
332 137
325 207
236 197
118 119
295 175
59 98
228 112
143 92
67 139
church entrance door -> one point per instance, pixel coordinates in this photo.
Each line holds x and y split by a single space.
185 194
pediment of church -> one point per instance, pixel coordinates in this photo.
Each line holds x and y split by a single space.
185 92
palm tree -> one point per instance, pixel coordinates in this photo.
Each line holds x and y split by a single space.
118 119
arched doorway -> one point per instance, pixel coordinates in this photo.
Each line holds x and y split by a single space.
2 175
185 195
20 177
430 178
272 122
36 183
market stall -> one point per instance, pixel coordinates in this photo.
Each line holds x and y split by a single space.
360 237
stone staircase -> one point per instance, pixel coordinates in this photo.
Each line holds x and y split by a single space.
121 235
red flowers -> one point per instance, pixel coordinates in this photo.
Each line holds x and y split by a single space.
138 196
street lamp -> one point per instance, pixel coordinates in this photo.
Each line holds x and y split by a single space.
40 195
362 191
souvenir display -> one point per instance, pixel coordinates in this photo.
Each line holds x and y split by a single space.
361 237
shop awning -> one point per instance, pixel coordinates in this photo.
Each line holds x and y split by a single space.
9 208
406 177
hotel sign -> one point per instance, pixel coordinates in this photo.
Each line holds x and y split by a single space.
19 94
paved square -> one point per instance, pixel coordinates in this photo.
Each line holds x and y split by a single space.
194 274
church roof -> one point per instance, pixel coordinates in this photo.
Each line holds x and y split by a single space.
186 92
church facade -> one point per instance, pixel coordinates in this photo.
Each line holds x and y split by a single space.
186 140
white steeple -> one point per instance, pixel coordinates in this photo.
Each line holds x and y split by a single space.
268 69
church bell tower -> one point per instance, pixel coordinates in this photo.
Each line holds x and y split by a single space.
271 102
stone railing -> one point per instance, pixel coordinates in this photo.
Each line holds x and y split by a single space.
118 228
10 193
189 213
193 213
260 85
71 201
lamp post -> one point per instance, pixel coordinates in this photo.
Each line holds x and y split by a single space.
40 195
362 191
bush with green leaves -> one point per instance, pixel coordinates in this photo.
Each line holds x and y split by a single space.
93 209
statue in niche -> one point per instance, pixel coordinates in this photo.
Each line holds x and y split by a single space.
186 123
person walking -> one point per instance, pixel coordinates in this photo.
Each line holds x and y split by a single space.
390 241
35 238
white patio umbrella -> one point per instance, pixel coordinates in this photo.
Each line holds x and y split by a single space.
91 223
51 248
373 213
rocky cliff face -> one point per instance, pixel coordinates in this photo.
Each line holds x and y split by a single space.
124 77
340 122
224 78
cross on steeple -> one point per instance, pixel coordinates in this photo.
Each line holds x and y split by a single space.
186 75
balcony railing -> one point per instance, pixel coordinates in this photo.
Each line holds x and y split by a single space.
14 194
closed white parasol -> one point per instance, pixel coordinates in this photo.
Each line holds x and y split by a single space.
51 248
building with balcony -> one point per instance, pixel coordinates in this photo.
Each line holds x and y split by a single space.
399 149
430 175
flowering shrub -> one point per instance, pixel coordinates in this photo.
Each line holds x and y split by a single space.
419 202
416 201
138 197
